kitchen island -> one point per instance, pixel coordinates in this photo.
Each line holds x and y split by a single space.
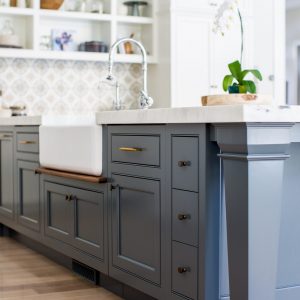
258 148
183 186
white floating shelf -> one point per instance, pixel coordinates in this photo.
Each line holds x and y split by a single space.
15 11
33 23
57 14
135 20
80 56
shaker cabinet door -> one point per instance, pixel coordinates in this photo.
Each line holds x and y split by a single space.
88 221
136 228
28 195
75 216
58 212
7 175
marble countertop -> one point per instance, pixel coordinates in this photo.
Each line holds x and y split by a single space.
208 114
21 121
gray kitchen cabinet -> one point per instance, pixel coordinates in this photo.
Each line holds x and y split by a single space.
28 195
136 227
75 216
7 174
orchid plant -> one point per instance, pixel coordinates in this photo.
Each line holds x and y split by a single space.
235 82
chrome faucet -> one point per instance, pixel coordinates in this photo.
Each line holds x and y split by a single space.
145 101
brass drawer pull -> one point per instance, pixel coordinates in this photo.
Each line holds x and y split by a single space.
184 163
183 217
5 136
130 149
182 270
27 142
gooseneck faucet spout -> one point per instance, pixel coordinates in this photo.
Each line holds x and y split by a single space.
145 100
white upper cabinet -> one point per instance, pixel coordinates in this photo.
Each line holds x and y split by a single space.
192 52
206 5
200 58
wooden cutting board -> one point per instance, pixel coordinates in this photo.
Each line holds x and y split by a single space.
232 99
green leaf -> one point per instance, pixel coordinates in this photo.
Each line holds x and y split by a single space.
243 89
255 73
250 85
236 70
227 82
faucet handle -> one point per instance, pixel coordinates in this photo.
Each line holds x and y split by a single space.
145 100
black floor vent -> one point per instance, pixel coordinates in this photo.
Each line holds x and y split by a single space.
86 272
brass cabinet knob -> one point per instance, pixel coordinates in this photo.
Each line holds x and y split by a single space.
183 217
184 163
114 187
73 198
182 270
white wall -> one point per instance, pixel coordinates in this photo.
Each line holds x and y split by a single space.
292 40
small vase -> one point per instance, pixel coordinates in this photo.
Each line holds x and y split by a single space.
234 89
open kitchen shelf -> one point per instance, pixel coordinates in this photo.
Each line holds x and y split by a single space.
34 25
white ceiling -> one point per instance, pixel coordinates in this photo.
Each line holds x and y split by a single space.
290 4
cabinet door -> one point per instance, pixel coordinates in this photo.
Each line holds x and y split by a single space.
89 221
136 228
58 212
191 59
7 175
28 194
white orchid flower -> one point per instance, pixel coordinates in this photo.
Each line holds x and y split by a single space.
225 18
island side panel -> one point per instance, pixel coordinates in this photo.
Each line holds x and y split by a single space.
250 150
288 277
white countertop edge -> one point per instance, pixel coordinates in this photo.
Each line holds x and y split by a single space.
209 114
187 115
21 121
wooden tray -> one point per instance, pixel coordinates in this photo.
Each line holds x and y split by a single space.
81 177
236 99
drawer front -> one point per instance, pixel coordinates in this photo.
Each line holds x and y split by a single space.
185 217
185 163
184 270
136 149
28 142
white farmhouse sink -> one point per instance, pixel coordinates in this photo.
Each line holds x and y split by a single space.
71 144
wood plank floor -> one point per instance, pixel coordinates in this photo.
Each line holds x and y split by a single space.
27 275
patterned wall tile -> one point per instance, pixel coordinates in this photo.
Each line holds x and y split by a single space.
66 87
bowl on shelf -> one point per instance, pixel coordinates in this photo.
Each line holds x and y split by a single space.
134 7
51 4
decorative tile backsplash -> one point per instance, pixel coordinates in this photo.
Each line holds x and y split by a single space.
66 87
